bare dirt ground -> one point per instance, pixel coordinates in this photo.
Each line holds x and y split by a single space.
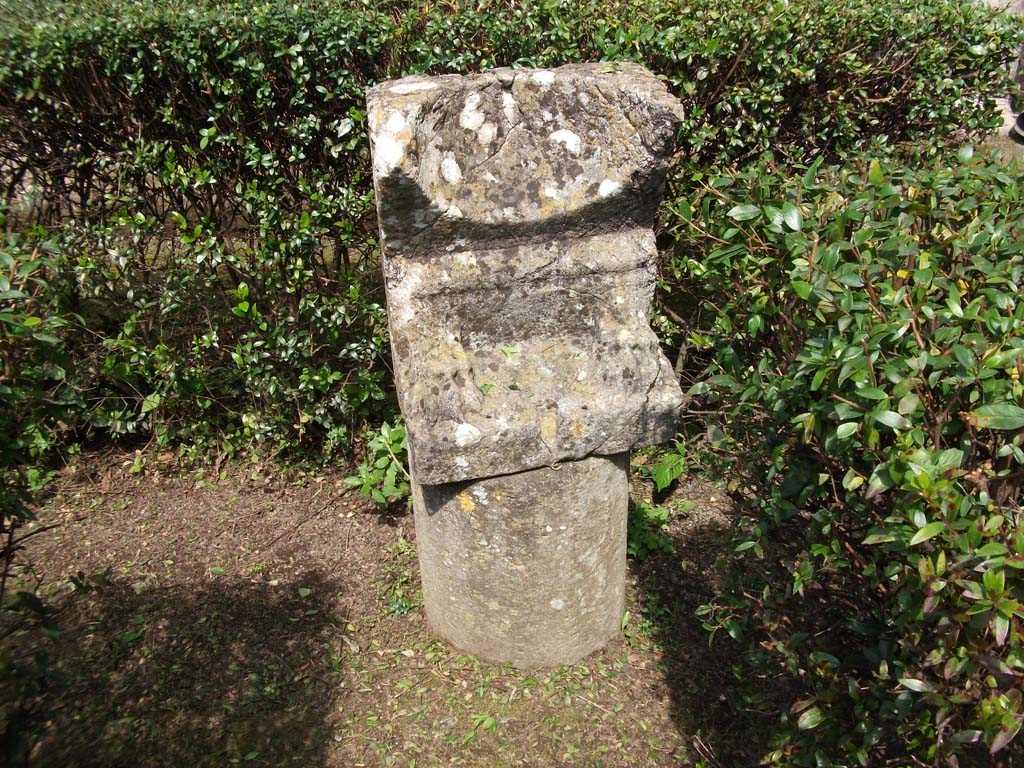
270 618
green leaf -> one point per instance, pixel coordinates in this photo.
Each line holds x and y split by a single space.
508 351
879 538
667 471
31 322
485 388
852 481
999 416
792 216
217 571
151 401
744 212
846 429
891 419
811 718
919 686
875 174
803 289
929 531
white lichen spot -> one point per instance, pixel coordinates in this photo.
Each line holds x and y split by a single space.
543 77
619 300
480 494
472 117
396 122
450 170
453 212
461 462
488 176
509 107
568 139
387 154
548 529
561 527
608 188
486 133
406 88
546 114
557 604
466 259
466 434
552 193
581 375
401 293
484 542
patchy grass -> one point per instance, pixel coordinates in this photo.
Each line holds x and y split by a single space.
245 619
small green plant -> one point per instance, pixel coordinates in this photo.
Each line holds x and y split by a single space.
398 593
382 475
646 530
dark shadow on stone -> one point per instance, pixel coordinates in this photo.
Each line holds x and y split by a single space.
635 205
218 673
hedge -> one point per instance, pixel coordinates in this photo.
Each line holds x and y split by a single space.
191 257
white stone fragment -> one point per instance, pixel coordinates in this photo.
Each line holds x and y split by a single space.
509 107
486 133
472 118
403 290
396 122
557 604
570 140
543 77
387 154
466 435
450 170
552 193
608 188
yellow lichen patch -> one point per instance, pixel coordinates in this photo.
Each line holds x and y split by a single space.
548 426
466 502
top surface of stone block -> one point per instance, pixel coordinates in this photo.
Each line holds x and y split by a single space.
510 154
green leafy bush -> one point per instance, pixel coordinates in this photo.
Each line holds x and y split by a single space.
867 340
206 172
35 398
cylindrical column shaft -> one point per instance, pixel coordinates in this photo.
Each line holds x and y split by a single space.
529 567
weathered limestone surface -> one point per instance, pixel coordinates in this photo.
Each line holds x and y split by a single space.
527 568
515 211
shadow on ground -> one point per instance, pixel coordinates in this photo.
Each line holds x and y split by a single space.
719 707
228 672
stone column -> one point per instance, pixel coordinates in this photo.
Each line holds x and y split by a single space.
515 210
